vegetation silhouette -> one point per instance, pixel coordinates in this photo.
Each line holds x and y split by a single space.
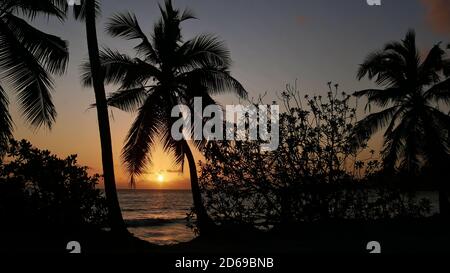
28 58
416 138
316 174
47 201
40 190
167 71
87 11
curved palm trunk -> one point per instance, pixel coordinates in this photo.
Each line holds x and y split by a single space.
205 223
115 216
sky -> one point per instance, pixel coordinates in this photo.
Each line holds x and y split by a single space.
272 43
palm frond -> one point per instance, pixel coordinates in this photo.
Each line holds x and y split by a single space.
168 12
415 140
402 109
207 100
128 100
439 92
205 50
217 81
142 134
187 15
49 50
371 124
121 69
409 43
33 8
397 47
387 68
436 128
367 92
446 67
431 67
6 124
410 160
394 145
407 50
173 146
126 25
381 97
442 119
23 72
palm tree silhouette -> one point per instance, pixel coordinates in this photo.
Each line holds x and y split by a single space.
28 58
166 72
87 11
415 136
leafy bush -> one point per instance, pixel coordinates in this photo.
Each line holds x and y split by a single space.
316 173
41 189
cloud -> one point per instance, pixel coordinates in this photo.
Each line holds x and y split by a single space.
173 171
163 171
438 15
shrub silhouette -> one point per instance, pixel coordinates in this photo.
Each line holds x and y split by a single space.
315 174
38 189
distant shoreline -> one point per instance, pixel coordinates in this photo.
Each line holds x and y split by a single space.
124 189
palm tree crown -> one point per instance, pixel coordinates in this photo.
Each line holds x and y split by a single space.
167 71
28 57
416 133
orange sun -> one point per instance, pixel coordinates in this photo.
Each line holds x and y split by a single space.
160 178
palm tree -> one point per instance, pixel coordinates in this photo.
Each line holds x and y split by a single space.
87 12
415 138
167 71
28 58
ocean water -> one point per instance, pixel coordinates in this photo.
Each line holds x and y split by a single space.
157 216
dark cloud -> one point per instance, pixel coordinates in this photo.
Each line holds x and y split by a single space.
438 15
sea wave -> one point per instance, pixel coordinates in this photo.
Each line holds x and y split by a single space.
146 222
133 209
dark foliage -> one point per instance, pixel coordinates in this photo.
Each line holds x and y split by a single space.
28 58
37 189
412 91
315 174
